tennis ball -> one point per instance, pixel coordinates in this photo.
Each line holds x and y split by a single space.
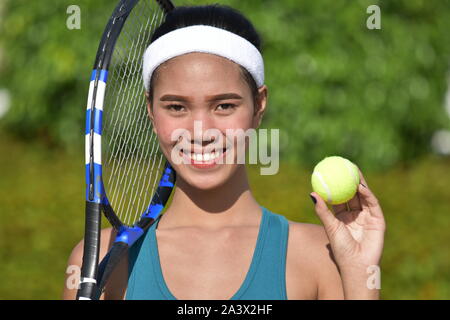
335 179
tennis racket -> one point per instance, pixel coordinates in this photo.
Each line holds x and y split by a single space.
133 183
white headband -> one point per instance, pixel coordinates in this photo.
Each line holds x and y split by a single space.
207 39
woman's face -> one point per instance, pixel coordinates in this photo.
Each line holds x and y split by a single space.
209 92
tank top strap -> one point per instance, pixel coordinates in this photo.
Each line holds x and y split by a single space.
142 283
267 279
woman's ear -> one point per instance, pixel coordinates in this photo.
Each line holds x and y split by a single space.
150 111
260 106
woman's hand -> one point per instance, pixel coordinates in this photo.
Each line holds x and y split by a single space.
356 233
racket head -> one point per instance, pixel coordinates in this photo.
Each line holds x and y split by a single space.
127 161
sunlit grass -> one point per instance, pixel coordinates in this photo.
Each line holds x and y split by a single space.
42 218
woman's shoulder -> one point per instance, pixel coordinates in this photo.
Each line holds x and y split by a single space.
312 234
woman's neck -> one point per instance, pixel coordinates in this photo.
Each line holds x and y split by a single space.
229 204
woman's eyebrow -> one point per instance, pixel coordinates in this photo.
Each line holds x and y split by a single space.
223 96
173 97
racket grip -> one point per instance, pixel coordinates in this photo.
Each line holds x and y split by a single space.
90 251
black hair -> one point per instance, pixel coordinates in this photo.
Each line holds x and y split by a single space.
219 16
215 15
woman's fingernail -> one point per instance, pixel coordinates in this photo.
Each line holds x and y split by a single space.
313 199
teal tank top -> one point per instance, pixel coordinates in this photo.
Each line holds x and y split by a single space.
265 279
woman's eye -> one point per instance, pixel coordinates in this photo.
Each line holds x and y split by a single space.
175 107
225 106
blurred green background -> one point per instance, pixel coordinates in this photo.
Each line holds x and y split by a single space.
379 97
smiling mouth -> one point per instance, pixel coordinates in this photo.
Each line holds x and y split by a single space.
203 157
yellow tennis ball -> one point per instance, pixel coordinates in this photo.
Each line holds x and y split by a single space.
335 179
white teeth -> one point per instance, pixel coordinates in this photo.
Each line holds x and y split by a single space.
204 157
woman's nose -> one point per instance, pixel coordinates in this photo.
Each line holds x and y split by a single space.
199 123
203 129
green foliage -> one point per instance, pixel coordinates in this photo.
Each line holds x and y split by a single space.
335 87
375 96
47 67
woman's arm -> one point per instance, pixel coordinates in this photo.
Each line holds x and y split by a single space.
312 272
328 278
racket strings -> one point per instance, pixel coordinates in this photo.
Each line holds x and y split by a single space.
139 174
133 143
133 162
129 186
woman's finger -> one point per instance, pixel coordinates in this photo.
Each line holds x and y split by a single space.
329 221
362 180
355 203
369 202
368 199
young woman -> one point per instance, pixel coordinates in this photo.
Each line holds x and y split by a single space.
215 241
